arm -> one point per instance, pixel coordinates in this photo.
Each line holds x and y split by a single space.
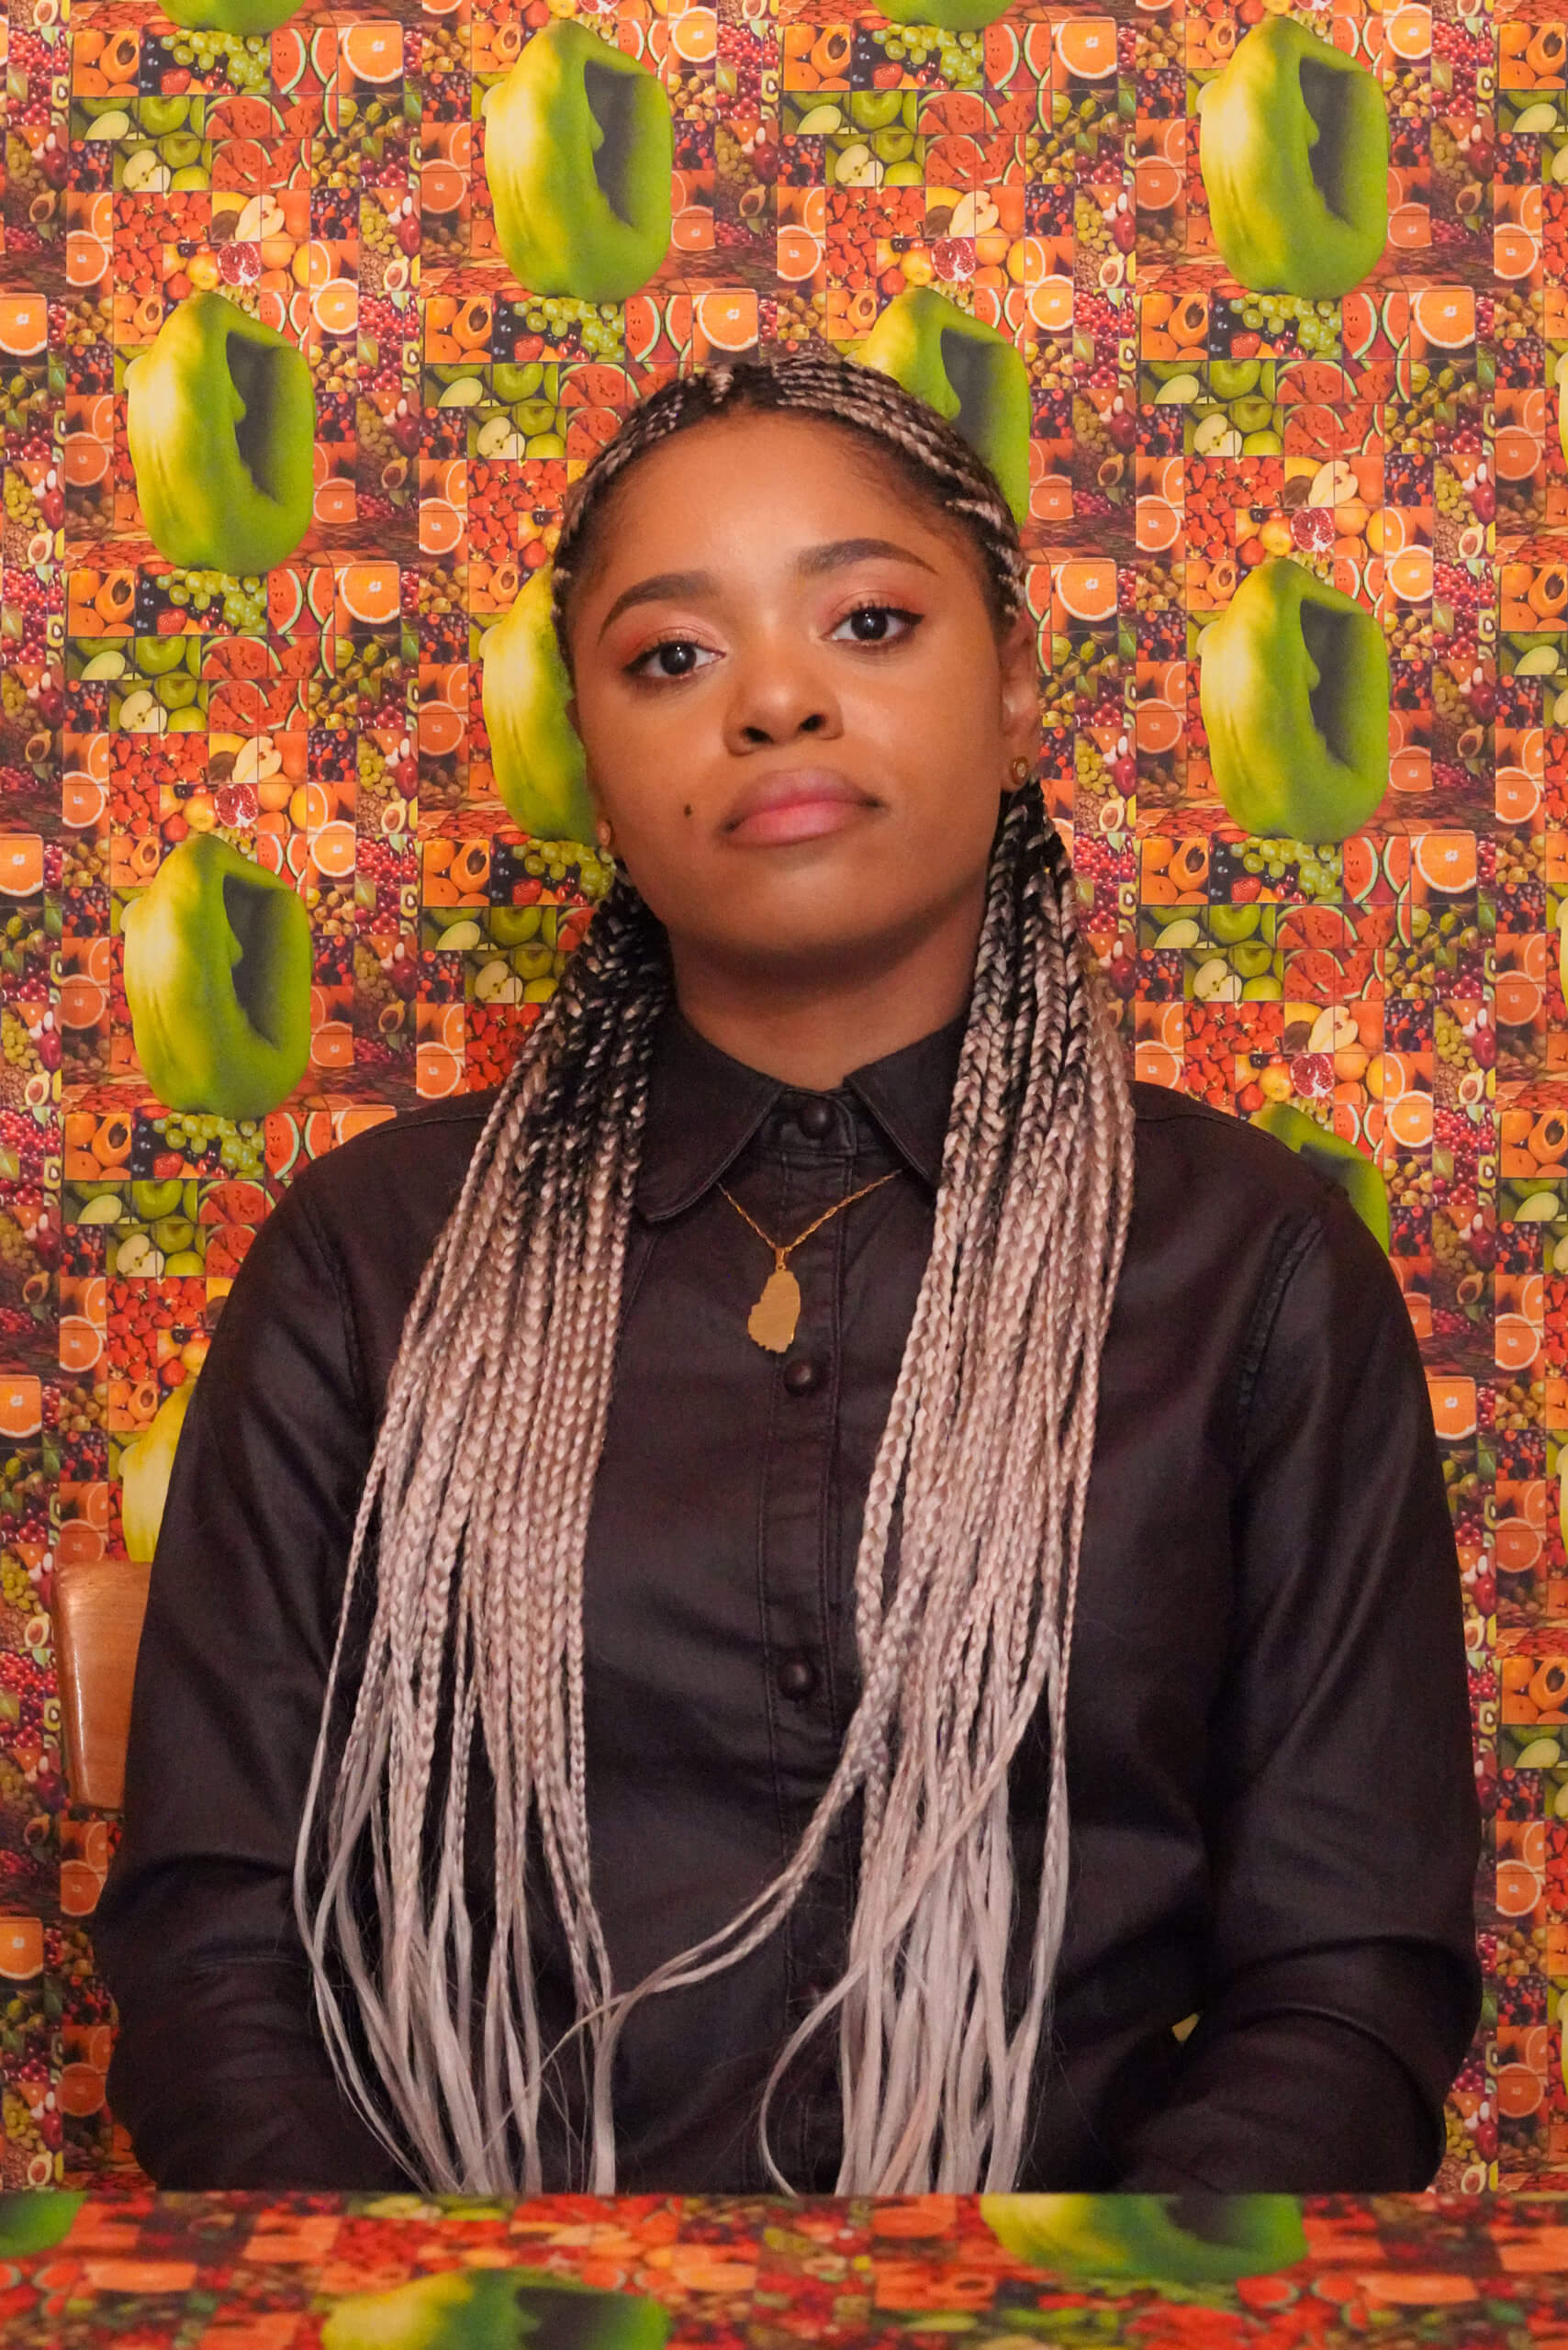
219 2071
1344 1829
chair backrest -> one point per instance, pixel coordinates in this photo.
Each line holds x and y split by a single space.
98 1607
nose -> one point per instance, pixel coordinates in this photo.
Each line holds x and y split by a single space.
778 692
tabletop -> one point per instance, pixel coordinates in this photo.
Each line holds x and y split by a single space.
257 2271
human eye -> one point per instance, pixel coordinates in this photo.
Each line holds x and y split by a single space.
875 611
663 644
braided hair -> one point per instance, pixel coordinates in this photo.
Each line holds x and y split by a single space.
494 1420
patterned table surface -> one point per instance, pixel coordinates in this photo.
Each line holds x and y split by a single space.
255 2271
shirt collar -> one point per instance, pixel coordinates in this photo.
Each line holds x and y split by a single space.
704 1107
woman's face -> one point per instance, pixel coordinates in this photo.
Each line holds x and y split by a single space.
764 606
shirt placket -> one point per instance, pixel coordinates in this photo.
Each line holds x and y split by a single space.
814 1167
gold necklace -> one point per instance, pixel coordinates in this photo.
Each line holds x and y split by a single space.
773 1319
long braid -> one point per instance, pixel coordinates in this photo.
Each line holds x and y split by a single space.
494 1421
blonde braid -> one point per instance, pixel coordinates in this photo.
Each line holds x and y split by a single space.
494 1421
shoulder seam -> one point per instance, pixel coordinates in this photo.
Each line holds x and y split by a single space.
1265 1315
328 1255
475 1106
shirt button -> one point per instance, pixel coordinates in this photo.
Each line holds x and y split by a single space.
796 1678
802 1375
814 1117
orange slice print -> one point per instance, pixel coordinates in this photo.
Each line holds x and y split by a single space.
21 864
79 1542
21 1949
1157 183
1156 1064
335 505
1519 2092
1088 48
441 729
82 799
21 1407
83 1002
1514 253
440 527
1410 1120
1050 304
438 1071
371 592
1518 1890
1516 1345
1087 587
332 1045
335 307
1516 453
1445 314
1516 1546
798 254
1051 498
79 2089
372 53
1028 259
727 319
695 36
332 851
1516 796
1157 728
86 258
1453 1406
1410 575
79 1888
442 189
1159 525
24 324
1408 31
1518 999
86 459
1444 860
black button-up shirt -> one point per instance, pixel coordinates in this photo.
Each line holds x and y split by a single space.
1274 1822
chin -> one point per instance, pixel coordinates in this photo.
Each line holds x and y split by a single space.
802 937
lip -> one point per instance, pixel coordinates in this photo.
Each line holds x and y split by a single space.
795 803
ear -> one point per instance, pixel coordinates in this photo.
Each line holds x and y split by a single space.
1020 668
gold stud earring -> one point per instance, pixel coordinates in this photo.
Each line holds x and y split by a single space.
1020 770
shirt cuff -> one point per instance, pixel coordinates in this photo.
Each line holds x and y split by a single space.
1289 2104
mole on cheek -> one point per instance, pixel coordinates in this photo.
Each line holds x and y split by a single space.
688 807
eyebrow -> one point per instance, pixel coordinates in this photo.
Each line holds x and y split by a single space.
809 564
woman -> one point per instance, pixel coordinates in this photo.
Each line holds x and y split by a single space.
631 1533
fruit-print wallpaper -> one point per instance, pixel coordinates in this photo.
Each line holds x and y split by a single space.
308 316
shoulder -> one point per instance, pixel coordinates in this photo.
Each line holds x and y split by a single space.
390 1188
1176 1133
1239 1194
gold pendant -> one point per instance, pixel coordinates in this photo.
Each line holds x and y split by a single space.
773 1317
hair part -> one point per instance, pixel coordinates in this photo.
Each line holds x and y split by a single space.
494 1419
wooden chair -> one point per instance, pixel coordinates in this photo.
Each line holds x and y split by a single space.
98 1609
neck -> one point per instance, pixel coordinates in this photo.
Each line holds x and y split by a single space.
811 1029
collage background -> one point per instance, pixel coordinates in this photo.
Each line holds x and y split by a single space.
335 730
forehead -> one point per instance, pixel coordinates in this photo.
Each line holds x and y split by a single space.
746 451
752 470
